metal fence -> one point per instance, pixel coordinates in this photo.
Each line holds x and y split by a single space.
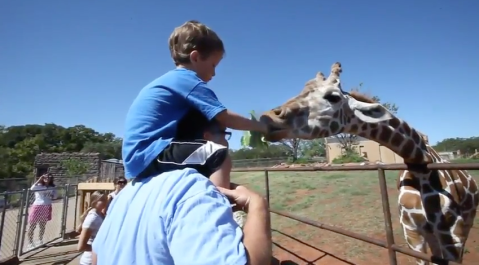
269 162
31 219
389 243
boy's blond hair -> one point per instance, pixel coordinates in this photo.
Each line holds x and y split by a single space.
191 36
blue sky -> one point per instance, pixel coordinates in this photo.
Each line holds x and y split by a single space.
83 62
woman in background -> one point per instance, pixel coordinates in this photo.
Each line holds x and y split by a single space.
91 221
120 183
40 212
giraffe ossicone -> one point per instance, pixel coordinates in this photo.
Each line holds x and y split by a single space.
437 207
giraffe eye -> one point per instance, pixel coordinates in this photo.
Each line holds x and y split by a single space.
332 98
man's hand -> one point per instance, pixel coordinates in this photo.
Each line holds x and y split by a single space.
257 228
241 196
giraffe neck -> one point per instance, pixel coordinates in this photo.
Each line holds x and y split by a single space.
401 138
436 158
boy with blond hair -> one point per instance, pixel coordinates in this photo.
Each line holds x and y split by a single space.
173 211
149 144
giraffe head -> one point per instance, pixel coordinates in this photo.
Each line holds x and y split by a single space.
323 109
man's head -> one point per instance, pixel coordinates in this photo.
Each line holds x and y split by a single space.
196 47
194 125
216 133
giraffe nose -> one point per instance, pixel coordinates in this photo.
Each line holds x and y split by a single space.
266 119
278 112
273 119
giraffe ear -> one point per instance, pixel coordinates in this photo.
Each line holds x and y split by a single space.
369 112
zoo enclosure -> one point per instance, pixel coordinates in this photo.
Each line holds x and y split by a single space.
389 244
15 220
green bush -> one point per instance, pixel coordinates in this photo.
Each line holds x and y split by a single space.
350 157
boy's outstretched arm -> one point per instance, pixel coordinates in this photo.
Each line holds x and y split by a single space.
235 121
204 99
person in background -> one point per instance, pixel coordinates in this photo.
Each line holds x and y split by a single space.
41 210
120 183
90 223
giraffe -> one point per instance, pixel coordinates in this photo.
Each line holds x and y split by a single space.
436 207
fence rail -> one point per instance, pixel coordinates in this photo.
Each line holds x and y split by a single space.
389 244
28 222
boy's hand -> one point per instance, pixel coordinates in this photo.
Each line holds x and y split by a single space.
263 128
237 122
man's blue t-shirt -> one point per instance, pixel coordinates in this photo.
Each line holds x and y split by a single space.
153 116
176 218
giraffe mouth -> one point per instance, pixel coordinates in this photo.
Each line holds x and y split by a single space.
274 128
276 133
277 129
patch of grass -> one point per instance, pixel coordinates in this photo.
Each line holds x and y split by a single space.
350 200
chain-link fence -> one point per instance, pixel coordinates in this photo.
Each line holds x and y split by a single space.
34 218
10 222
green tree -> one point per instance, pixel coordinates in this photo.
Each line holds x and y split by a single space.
313 148
466 146
107 150
20 144
74 167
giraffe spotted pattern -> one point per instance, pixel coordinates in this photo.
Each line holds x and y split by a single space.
437 209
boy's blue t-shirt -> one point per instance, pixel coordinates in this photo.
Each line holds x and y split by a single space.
176 218
153 116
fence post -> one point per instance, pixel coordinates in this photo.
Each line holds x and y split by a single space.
387 216
18 231
76 208
65 211
4 211
25 222
266 183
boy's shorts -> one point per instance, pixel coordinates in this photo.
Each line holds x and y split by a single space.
204 156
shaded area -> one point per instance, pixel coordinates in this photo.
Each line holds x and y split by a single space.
60 253
288 250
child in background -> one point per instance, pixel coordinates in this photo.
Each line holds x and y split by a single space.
150 143
90 223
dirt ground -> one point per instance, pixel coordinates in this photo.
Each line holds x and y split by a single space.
349 200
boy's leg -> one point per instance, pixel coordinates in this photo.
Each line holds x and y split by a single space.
222 176
210 159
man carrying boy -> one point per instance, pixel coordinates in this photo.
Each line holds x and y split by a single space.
180 217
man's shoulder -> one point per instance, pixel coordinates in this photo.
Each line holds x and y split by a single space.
174 187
